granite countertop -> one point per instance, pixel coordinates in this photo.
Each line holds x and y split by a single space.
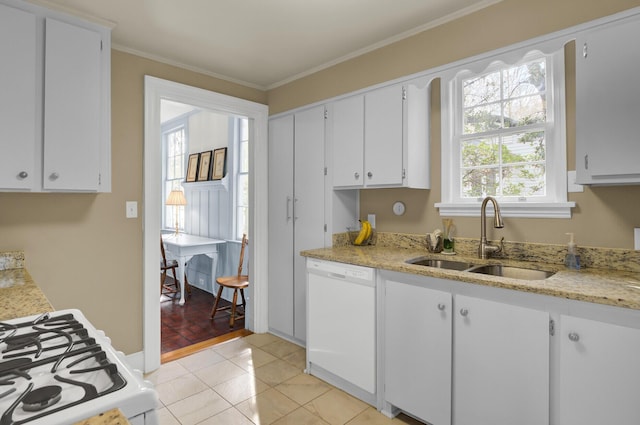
620 288
111 417
19 295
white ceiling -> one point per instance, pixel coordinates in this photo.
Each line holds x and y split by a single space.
262 43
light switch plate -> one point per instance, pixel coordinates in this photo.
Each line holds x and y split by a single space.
572 186
636 238
132 209
372 220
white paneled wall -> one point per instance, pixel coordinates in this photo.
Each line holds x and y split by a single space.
208 214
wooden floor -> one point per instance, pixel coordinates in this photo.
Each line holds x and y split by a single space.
190 325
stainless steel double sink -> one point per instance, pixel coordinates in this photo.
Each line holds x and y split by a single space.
488 269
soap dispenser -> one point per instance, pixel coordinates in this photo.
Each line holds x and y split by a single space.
572 259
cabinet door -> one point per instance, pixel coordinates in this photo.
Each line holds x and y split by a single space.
281 225
308 203
383 137
72 107
599 373
347 138
417 354
607 101
18 104
501 364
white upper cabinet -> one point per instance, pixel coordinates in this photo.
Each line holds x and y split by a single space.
607 104
72 124
381 138
56 116
18 99
346 133
383 164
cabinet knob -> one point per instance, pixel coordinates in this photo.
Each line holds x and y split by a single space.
54 176
369 174
356 175
464 312
574 337
23 174
441 306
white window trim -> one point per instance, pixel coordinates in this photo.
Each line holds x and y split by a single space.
555 204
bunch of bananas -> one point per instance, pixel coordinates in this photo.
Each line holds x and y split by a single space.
365 233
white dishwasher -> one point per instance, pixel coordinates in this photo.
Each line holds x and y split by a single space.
341 322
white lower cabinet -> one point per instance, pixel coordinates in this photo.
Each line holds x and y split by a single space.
417 348
451 358
599 373
501 364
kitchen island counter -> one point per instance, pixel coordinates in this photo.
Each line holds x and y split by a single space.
19 294
615 287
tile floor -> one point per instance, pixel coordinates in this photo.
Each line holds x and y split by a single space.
255 380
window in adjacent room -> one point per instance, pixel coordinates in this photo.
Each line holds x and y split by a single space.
504 136
242 179
174 162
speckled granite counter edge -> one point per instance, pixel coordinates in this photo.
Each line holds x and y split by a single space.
19 295
11 260
616 287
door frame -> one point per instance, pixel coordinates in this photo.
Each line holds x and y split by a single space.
157 89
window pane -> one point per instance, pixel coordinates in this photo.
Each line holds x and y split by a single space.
526 79
480 182
243 190
481 90
244 157
524 180
480 152
524 111
523 147
482 118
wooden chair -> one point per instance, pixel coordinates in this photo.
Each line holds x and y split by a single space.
172 265
166 265
238 282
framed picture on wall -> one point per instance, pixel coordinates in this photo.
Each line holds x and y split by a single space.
192 167
219 163
204 166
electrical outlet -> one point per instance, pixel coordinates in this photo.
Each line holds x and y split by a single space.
372 220
201 282
131 209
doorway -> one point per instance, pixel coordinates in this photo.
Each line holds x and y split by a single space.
157 90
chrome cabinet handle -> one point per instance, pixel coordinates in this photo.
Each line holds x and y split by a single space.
23 174
295 210
441 306
464 312
54 176
574 337
288 208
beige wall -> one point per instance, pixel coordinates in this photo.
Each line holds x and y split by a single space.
85 254
80 248
604 216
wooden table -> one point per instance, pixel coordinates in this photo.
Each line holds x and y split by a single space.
184 247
